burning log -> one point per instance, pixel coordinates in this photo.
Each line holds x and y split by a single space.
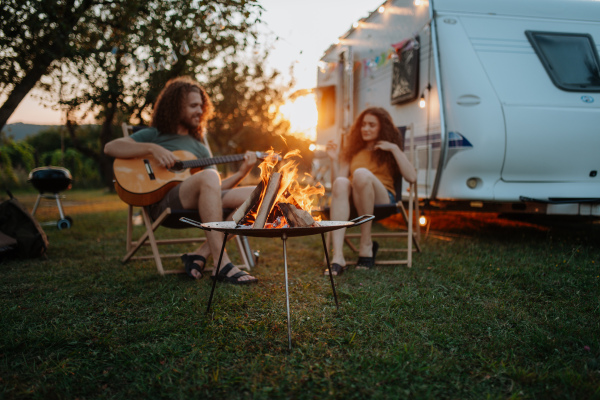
249 205
268 200
295 217
278 201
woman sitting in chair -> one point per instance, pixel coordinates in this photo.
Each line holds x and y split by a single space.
368 164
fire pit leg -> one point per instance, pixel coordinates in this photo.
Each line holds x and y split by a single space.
216 274
330 276
287 296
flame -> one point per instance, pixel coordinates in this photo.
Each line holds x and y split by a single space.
290 191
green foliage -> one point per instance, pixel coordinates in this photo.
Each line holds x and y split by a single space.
247 102
85 50
143 32
16 157
488 310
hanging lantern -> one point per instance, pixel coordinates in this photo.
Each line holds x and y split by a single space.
162 64
172 58
197 35
184 49
141 66
151 66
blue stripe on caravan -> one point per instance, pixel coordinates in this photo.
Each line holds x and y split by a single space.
455 140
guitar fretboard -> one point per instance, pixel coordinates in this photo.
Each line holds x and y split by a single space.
208 161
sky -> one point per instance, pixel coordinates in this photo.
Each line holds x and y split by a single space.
299 30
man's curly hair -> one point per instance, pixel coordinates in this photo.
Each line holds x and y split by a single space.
167 109
387 131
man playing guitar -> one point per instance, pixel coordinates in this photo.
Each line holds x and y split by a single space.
179 118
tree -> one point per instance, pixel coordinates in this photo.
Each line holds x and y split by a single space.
123 77
34 35
41 37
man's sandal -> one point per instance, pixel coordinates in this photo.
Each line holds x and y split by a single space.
336 270
190 265
235 278
368 262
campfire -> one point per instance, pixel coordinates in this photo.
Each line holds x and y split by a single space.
279 200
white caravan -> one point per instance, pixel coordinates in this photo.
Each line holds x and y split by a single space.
511 95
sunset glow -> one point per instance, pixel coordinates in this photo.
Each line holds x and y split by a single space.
301 111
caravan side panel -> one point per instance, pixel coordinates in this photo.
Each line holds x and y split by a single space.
473 111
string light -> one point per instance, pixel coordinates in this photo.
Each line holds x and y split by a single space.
422 220
422 101
355 25
381 9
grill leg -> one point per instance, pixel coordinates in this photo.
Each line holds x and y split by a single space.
37 203
216 274
60 209
329 268
287 294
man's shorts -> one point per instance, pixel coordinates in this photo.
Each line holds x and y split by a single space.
171 200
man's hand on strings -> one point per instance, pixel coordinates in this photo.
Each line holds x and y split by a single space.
249 162
164 157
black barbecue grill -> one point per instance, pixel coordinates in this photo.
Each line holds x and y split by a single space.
50 181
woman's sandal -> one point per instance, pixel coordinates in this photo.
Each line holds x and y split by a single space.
368 262
235 278
336 270
190 265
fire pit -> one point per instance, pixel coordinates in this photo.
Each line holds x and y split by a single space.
231 228
52 180
279 206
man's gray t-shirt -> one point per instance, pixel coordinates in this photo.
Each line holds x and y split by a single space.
172 142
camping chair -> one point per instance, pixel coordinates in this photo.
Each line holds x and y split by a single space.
412 232
170 219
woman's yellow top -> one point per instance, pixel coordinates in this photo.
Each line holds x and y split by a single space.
365 159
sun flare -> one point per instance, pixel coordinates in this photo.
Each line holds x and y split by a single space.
301 111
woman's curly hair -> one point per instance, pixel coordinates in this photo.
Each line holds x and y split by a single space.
167 109
387 131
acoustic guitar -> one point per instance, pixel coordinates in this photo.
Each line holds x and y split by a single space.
143 181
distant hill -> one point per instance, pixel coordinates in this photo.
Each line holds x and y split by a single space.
20 131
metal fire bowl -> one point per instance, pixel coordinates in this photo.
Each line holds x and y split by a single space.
231 228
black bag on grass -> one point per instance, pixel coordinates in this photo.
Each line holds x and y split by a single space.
17 222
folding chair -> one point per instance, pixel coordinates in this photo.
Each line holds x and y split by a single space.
412 232
170 219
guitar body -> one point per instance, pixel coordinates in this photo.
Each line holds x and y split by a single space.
143 181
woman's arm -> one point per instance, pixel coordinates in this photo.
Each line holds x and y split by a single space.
404 165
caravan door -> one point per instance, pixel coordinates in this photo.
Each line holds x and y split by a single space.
546 76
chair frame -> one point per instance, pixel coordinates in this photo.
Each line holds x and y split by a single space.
149 237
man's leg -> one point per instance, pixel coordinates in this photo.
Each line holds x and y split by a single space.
203 191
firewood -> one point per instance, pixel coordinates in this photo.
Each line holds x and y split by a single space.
268 200
295 216
249 204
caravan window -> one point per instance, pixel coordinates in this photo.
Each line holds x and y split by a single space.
570 59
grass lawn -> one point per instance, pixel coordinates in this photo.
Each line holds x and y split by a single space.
490 309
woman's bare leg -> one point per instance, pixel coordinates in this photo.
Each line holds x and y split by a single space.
367 191
340 211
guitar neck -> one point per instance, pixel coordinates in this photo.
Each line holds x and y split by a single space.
199 163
